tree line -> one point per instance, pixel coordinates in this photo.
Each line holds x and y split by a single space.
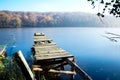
45 19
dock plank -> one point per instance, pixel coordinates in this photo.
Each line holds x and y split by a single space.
42 38
46 57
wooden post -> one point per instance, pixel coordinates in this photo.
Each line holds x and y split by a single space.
37 72
72 69
55 71
82 73
62 66
37 75
19 58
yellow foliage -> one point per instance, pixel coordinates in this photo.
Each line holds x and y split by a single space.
48 18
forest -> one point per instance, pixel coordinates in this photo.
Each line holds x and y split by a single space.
48 19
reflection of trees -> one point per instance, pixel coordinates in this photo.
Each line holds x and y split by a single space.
113 37
9 41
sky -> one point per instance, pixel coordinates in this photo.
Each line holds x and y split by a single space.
48 5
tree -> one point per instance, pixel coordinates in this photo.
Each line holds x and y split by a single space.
3 19
16 22
112 6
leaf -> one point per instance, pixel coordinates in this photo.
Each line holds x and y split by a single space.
112 1
92 3
102 15
107 3
98 14
102 2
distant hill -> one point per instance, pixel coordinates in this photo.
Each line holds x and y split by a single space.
55 19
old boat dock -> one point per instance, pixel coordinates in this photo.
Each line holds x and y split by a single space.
47 53
45 49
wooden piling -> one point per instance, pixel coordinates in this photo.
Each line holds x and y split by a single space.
72 69
82 73
19 58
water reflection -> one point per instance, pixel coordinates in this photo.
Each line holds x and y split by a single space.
96 54
112 36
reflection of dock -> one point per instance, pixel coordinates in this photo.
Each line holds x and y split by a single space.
47 53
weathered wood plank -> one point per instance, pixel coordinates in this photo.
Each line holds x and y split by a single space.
24 66
50 44
55 71
52 54
82 73
35 66
42 38
45 46
58 66
45 57
39 34
48 50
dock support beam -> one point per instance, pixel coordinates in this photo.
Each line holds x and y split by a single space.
82 73
73 70
19 58
62 66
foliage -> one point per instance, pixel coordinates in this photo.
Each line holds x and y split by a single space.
112 6
47 19
2 59
50 19
10 70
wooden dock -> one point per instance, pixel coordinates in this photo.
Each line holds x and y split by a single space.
45 49
47 53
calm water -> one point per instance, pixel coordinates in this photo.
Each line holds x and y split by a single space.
95 54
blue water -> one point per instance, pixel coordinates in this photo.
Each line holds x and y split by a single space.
95 54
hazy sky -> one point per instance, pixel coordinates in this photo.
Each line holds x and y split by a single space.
47 5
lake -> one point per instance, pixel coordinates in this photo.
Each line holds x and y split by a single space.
94 53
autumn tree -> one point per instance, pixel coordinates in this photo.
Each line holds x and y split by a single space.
3 19
16 22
